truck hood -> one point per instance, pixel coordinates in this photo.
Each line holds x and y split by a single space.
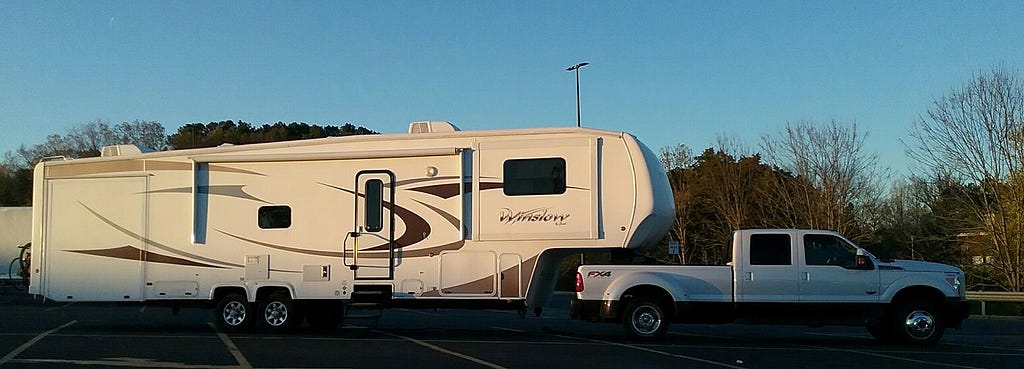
919 266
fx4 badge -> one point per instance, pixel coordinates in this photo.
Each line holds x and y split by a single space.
599 274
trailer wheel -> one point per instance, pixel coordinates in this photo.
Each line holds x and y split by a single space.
278 313
234 313
917 323
645 318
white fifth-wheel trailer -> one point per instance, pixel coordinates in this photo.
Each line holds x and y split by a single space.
277 232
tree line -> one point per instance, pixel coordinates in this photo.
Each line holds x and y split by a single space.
88 139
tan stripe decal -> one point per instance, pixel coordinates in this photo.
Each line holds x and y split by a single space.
134 253
154 243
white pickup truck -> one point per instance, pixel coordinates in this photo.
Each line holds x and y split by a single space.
780 276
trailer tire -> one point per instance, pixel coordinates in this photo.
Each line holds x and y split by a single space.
234 313
917 323
278 313
645 318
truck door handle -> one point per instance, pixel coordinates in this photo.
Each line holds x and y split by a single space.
807 276
750 276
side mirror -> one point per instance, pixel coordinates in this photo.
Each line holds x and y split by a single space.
863 262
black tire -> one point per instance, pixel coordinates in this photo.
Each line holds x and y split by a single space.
645 318
278 313
324 316
234 313
917 323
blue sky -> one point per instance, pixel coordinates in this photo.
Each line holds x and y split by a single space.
669 72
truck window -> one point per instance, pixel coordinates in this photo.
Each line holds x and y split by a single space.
822 249
770 249
534 176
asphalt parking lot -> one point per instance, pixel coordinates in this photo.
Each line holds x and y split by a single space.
52 335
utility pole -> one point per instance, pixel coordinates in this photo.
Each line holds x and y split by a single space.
576 68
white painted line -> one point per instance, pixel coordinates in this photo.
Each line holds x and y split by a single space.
61 307
142 309
420 312
697 359
124 362
988 347
896 357
509 329
33 341
442 350
242 362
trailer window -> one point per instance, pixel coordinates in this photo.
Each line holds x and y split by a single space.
278 216
534 176
770 249
374 205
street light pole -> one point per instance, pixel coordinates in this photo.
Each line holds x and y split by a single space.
576 68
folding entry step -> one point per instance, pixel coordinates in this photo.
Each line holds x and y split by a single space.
368 303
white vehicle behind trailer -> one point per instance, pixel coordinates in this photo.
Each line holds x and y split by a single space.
269 233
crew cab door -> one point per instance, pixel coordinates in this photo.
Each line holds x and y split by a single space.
829 272
767 269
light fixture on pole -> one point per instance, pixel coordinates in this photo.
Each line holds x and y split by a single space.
576 68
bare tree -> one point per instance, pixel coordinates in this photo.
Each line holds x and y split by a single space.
975 135
838 182
88 139
676 160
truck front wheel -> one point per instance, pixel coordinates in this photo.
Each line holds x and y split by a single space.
917 323
645 318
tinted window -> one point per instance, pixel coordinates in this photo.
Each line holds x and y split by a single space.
374 205
822 249
278 216
770 249
534 176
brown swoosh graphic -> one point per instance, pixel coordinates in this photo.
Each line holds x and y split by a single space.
134 253
416 228
154 243
331 254
235 191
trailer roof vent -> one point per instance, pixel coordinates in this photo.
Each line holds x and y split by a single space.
120 150
432 126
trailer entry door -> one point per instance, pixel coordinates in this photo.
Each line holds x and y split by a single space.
370 246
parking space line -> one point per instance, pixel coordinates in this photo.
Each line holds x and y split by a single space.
61 307
33 341
419 312
669 354
242 362
508 329
442 350
895 357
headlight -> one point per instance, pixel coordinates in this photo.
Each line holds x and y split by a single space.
956 280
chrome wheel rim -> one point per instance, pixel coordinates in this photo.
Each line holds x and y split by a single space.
234 313
646 320
920 324
276 313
